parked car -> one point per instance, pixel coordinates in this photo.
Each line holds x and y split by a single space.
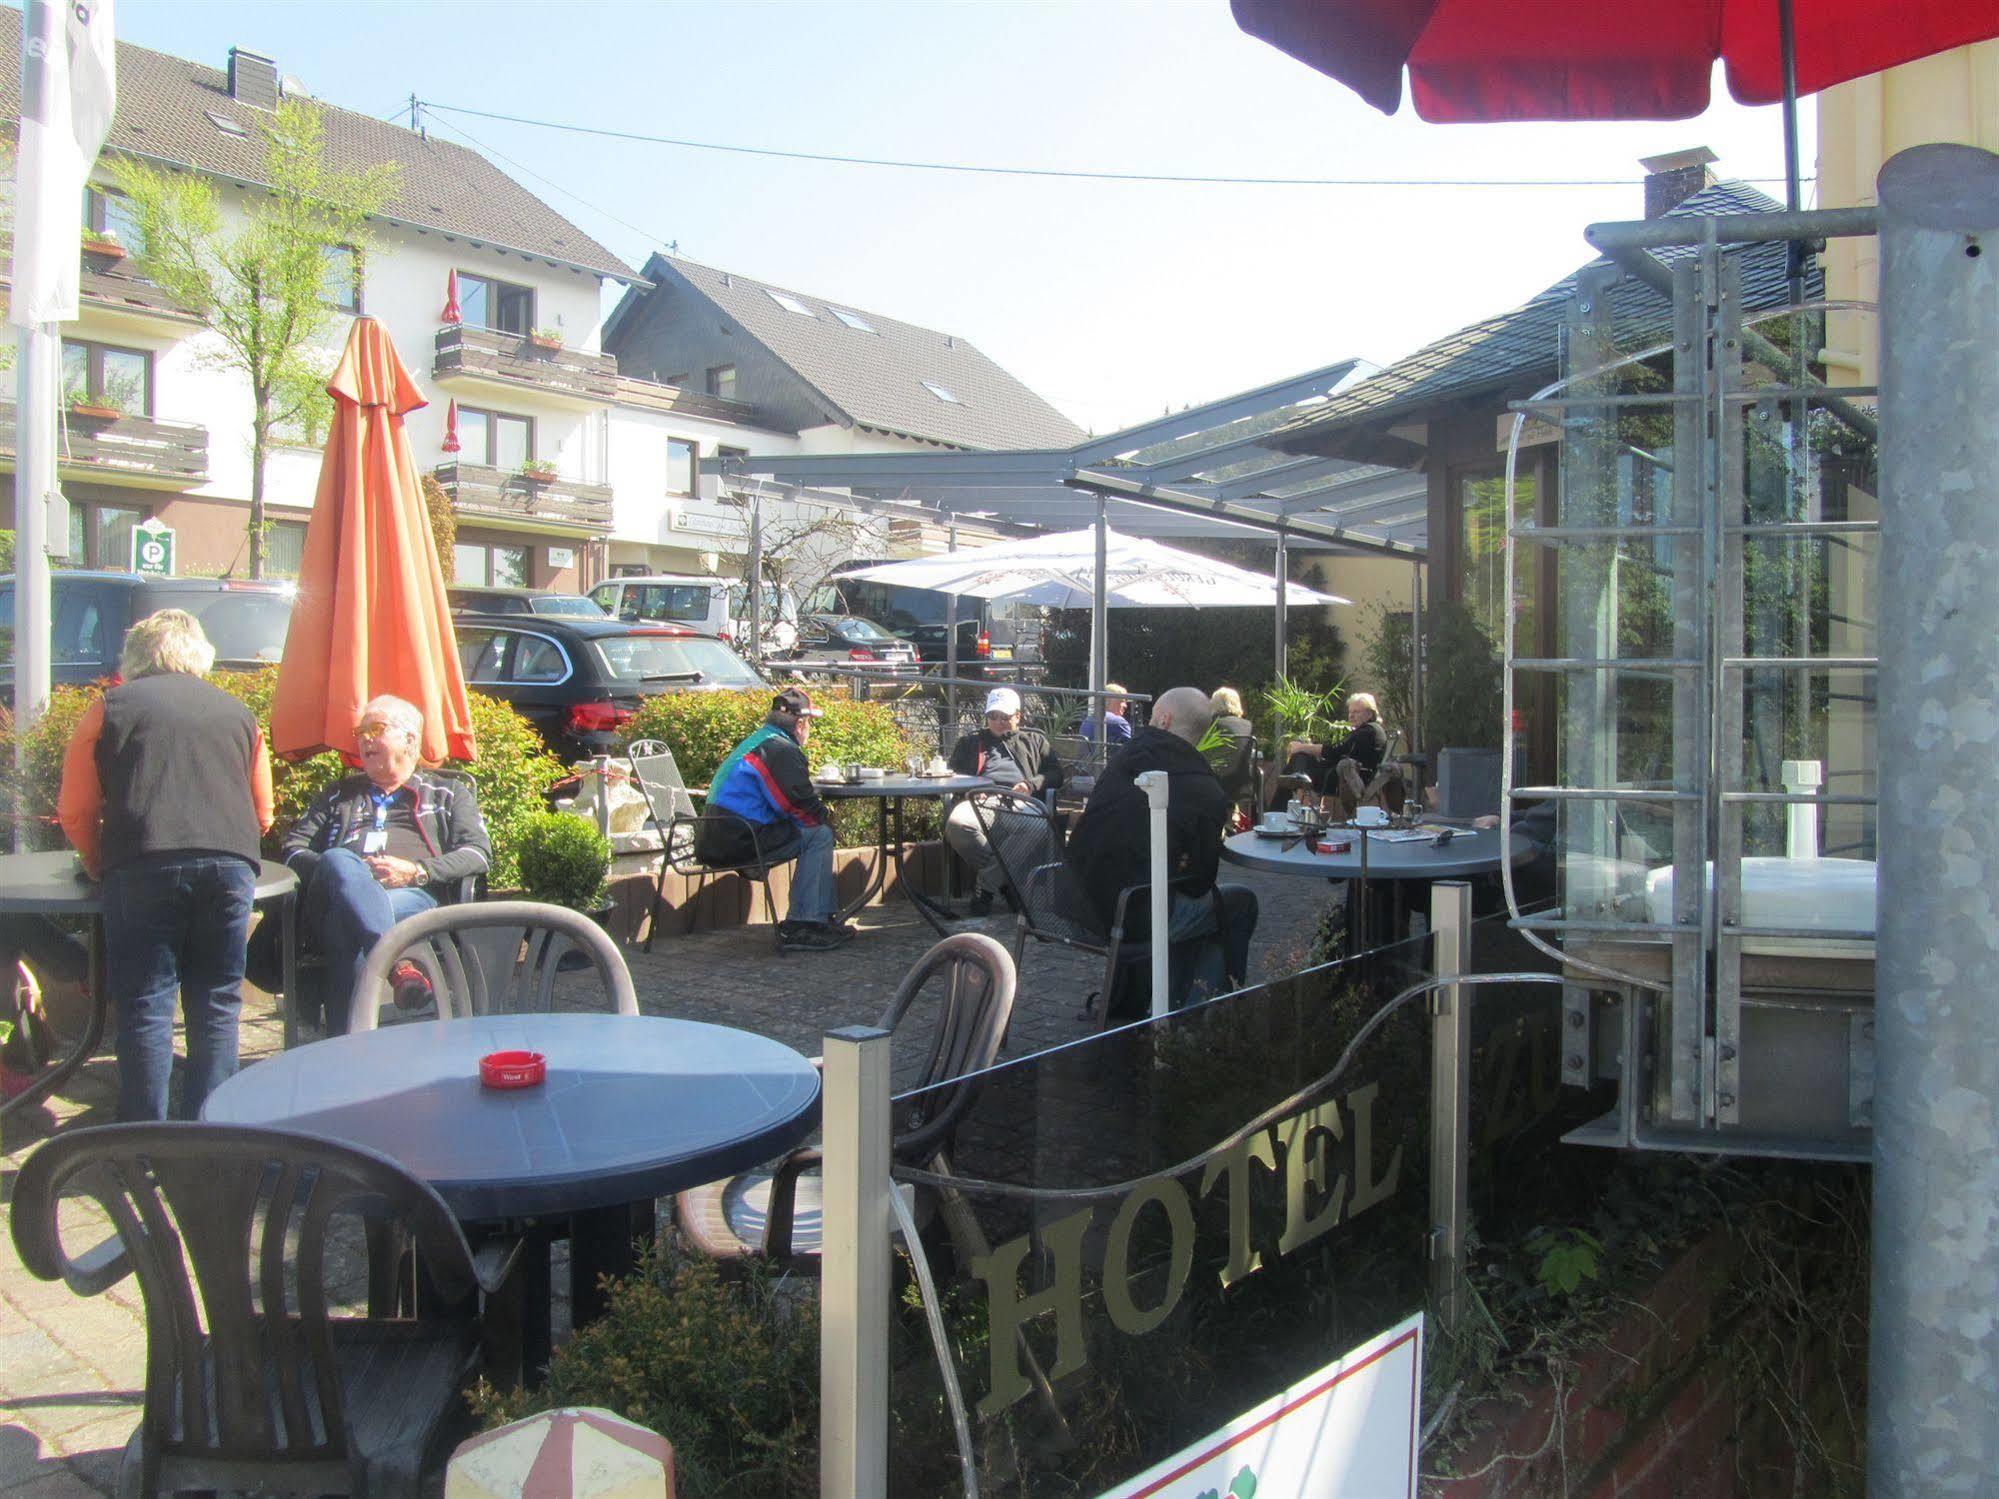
524 601
579 681
89 613
714 606
849 640
990 631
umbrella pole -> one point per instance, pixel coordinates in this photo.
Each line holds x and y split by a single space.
1282 571
1100 611
1787 42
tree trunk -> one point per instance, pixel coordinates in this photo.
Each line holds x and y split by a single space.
260 444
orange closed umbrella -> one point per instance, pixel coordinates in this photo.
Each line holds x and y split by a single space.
371 616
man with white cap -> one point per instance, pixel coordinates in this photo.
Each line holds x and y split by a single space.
1007 755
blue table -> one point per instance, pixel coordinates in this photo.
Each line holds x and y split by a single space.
635 1107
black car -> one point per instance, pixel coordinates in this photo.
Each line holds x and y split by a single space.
990 631
849 640
89 613
579 681
524 601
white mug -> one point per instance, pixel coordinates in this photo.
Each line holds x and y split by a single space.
1370 817
1276 820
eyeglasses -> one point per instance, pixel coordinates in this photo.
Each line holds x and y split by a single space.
376 735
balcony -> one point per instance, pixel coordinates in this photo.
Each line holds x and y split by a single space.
110 285
541 504
136 450
512 362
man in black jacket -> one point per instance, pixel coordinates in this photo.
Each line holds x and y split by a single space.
1109 851
1007 755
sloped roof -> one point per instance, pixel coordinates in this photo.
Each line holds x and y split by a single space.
875 375
164 104
1498 350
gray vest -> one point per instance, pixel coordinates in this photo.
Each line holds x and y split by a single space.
175 760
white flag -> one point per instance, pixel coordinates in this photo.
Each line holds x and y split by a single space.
68 95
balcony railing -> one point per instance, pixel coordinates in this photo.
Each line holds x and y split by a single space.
516 360
481 491
111 283
173 453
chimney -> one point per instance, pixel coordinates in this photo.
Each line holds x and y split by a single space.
1675 177
253 79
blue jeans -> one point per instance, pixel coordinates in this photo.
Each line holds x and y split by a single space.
812 880
346 912
175 922
1221 958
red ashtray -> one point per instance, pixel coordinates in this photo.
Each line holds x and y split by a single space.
513 1069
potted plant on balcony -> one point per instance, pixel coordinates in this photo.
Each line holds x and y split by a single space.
102 244
546 340
537 470
87 407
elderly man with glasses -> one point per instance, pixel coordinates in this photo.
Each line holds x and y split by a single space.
1008 755
376 846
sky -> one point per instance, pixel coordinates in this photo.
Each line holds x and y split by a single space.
1115 301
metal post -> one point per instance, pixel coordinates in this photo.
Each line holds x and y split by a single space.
1801 819
1282 570
950 725
1416 746
1933 1398
1450 1099
754 568
1100 611
34 482
1154 784
854 1266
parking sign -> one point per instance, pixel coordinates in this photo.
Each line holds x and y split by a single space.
153 549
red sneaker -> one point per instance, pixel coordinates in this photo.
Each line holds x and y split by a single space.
410 986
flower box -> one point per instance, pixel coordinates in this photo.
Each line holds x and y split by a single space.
545 341
103 249
91 411
538 473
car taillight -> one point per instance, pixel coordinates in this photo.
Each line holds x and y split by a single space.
726 638
861 653
985 645
597 718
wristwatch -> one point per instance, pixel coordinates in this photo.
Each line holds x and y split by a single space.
423 874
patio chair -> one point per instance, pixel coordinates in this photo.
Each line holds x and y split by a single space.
775 1211
670 806
497 957
253 1382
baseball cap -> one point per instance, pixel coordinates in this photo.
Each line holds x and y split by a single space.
1002 700
797 702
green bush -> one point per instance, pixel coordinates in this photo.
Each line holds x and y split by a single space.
513 772
702 727
563 860
725 1370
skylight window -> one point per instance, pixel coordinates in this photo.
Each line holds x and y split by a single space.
226 125
853 320
940 392
789 303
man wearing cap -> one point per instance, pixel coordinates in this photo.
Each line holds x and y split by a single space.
1007 755
773 813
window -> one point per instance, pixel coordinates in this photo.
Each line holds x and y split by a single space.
109 212
494 438
539 659
477 564
106 375
940 392
226 125
682 460
499 305
482 654
722 381
341 286
788 302
101 535
853 320
680 380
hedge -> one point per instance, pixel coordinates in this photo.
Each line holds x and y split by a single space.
513 772
702 727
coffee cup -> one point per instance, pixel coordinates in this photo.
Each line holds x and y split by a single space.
1370 817
1276 821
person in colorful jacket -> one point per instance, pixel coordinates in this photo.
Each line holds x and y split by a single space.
774 814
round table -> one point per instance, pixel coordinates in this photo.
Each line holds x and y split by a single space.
893 791
51 884
1470 851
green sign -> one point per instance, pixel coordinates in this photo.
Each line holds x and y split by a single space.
153 549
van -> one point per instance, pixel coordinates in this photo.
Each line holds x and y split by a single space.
990 631
701 603
89 613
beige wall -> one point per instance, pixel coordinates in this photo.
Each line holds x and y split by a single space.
1952 97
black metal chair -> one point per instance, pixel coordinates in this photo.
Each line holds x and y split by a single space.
670 807
253 1382
775 1211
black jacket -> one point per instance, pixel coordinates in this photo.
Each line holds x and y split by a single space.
1366 746
447 815
1110 849
1027 748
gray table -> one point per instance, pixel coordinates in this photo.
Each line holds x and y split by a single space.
51 885
892 791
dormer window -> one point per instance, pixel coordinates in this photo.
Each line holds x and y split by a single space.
940 392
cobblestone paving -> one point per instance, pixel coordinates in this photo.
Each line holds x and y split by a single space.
72 1369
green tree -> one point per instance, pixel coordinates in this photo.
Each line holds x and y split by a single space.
260 284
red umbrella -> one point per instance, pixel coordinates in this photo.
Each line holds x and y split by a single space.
1490 60
450 444
451 314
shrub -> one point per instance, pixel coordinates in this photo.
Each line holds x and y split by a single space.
513 773
563 859
702 727
726 1370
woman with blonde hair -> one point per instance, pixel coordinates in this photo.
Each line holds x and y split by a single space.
1235 759
166 791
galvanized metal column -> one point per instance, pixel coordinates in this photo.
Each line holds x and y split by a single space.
1100 644
854 1266
1282 572
1933 1359
1450 1099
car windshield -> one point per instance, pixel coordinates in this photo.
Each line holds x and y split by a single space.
569 604
863 629
673 660
243 624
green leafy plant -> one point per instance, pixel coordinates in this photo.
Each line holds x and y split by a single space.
540 469
725 1370
563 860
1298 712
1567 1258
547 337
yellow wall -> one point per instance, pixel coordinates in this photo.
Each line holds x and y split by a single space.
1952 97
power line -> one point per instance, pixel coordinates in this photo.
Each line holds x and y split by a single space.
1060 173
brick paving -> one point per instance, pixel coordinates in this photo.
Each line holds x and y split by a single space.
72 1369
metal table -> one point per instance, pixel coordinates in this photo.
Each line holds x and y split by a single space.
52 885
635 1108
893 791
1373 858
